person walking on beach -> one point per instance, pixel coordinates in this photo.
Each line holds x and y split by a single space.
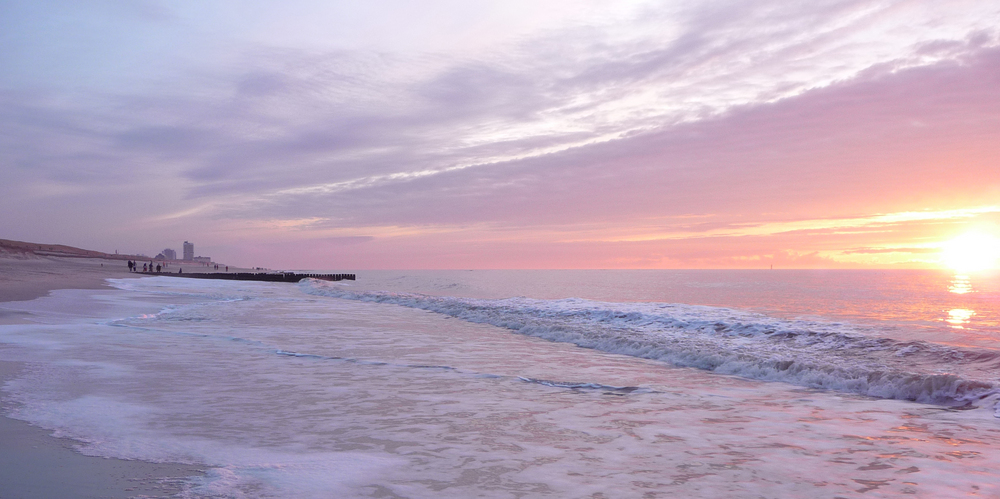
157 268
130 265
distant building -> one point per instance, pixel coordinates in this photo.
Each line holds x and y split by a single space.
169 254
188 251
202 259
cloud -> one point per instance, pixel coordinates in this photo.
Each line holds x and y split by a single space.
346 240
871 251
710 119
848 150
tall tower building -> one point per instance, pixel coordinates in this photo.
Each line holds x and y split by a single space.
188 251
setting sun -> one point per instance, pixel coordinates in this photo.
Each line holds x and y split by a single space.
971 252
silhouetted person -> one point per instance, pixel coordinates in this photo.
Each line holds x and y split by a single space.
144 267
157 268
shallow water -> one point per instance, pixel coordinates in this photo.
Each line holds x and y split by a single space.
295 391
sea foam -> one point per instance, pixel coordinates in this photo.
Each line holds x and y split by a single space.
814 354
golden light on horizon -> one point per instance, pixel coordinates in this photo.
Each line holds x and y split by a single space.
971 252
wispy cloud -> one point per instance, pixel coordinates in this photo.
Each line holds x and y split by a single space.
871 222
588 122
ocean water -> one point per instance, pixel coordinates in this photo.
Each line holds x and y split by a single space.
502 384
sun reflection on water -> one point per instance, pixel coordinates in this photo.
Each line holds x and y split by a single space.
960 284
959 316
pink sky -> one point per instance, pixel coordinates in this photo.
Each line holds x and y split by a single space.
580 135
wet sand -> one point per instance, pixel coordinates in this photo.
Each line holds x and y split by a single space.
33 463
36 465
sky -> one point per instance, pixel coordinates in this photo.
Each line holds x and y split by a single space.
514 134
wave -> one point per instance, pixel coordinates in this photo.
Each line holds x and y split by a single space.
587 386
361 361
617 390
814 354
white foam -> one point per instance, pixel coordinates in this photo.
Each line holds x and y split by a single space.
809 353
285 395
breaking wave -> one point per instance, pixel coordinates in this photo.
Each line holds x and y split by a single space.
815 354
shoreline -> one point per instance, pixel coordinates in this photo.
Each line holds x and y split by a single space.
34 463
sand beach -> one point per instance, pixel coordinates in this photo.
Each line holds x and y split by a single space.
31 270
33 463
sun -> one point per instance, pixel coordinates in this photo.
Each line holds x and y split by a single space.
972 251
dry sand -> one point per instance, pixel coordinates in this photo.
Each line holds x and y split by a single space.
34 464
27 277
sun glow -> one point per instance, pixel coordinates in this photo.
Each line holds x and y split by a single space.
971 252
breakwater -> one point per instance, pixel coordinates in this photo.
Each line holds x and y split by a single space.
256 276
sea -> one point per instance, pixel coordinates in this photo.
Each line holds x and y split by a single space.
530 383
